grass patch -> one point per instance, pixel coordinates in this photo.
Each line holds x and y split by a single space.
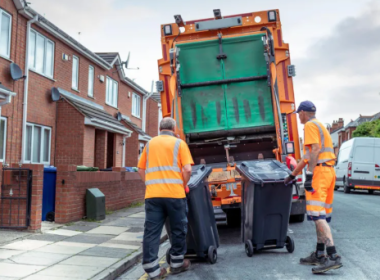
69 224
109 212
91 220
136 204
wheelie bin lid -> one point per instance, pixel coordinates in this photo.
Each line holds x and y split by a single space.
264 171
50 169
198 173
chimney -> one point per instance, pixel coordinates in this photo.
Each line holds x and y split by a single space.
340 123
334 126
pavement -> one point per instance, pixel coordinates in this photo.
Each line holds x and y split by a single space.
81 250
355 226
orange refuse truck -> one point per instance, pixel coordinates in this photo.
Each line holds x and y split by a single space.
228 83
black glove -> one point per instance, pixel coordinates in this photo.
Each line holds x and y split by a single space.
308 182
288 180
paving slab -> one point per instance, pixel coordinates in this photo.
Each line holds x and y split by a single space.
123 246
90 261
26 245
49 277
18 270
5 253
7 236
126 222
66 248
136 229
73 271
90 238
64 232
111 230
38 258
125 242
140 215
47 237
45 226
81 228
100 251
8 278
130 236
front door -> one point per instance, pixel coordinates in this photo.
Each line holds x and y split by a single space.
110 150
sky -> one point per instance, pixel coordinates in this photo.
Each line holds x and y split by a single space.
335 44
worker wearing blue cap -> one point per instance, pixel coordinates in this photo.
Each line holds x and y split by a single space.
319 185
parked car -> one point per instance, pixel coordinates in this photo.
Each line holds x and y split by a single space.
358 165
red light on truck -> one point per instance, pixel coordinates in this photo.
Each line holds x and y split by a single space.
349 169
296 197
377 166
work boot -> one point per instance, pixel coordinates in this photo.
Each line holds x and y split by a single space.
328 264
312 259
186 266
161 275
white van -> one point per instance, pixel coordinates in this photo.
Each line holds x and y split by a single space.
358 165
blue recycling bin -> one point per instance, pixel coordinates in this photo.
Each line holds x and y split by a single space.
48 197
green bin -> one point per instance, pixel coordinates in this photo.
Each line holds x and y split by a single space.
95 204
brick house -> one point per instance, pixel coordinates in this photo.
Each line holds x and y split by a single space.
72 106
340 133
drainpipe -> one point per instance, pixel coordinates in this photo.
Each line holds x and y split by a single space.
26 85
124 144
145 99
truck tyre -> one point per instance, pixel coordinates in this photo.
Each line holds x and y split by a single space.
336 188
347 189
370 191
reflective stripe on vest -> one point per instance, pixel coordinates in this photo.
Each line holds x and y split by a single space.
173 167
323 148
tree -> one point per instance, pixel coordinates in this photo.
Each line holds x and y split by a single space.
368 129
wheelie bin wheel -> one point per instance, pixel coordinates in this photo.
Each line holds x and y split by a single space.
168 256
212 255
289 244
249 248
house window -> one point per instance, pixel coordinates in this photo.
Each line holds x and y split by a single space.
91 72
5 34
111 94
75 73
136 105
3 138
41 54
37 144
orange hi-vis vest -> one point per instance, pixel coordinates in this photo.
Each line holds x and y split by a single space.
163 158
316 133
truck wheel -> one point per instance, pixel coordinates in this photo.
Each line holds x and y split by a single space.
249 248
370 191
168 256
289 244
336 188
212 255
346 187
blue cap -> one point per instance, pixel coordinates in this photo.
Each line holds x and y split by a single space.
306 106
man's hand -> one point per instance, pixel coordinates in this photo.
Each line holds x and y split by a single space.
289 179
308 182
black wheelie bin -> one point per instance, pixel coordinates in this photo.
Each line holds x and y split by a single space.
266 204
202 234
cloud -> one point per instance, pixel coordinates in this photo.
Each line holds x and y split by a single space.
341 72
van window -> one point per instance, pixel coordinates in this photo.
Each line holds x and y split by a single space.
364 154
344 154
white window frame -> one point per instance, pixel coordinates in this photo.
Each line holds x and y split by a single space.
32 67
43 128
75 87
112 98
5 138
8 55
91 85
135 113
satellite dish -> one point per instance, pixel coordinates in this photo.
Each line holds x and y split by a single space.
127 62
55 94
16 72
119 116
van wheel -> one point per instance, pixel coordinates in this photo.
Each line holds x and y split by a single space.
370 191
346 187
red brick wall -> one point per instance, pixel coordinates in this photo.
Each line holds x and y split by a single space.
120 190
152 118
70 135
132 150
89 146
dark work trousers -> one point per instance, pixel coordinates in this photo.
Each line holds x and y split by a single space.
157 210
